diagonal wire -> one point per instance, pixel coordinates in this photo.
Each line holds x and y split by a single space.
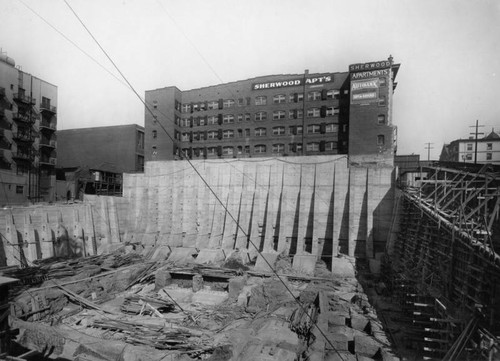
208 186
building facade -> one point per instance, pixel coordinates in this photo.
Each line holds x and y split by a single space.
28 123
277 115
93 160
464 150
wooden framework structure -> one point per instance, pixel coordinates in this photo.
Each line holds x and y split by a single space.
446 252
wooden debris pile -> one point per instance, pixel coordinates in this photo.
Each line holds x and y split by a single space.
143 305
159 336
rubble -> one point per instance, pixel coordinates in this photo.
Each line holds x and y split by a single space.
96 308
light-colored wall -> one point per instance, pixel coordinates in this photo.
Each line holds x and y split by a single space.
314 205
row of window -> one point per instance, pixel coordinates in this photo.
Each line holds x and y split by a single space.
259 100
260 148
468 156
259 116
489 146
258 132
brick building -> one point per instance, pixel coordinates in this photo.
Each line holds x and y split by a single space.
277 115
93 160
28 122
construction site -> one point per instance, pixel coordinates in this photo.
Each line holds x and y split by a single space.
297 258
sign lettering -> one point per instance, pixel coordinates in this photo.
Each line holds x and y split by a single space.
293 82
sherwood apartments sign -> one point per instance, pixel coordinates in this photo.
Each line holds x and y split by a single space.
293 82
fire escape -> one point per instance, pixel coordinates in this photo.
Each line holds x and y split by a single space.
23 152
5 127
47 145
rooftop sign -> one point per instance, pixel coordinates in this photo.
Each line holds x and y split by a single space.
370 66
293 82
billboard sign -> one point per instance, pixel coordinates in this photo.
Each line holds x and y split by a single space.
364 91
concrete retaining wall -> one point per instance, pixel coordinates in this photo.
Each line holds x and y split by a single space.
303 206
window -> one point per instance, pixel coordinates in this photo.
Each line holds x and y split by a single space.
202 135
295 114
280 98
488 156
315 95
330 145
279 114
155 103
185 122
468 156
381 119
186 108
212 120
296 97
380 139
260 132
260 116
212 134
332 94
240 133
196 107
154 152
213 104
314 128
140 140
278 148
203 106
248 117
469 146
240 117
228 103
228 134
227 150
240 149
261 100
185 137
489 146
279 131
211 150
331 111
313 147
202 121
247 149
382 81
313 112
331 128
381 101
228 118
295 130
155 134
261 148
241 102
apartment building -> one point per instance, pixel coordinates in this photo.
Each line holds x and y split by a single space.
28 123
346 112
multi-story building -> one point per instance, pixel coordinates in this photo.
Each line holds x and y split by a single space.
93 160
277 115
28 122
464 150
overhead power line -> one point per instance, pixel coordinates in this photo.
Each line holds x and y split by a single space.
207 184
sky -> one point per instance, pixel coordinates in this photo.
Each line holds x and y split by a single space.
449 51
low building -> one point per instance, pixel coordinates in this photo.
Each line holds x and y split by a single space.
93 160
464 150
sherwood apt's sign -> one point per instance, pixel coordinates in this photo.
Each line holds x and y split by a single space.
293 82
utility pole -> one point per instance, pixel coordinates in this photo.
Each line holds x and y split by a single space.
429 150
475 138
